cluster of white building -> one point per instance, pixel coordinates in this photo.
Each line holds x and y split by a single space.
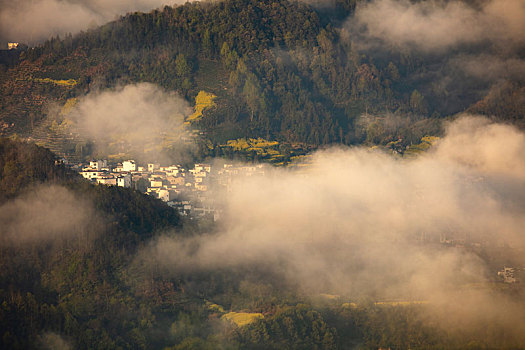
99 171
190 191
510 274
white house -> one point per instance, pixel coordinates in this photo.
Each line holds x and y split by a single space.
107 180
124 180
98 164
129 165
167 195
153 166
155 183
202 167
91 174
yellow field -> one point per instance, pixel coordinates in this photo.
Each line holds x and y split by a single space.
68 106
426 143
216 307
203 101
69 82
400 303
242 318
349 305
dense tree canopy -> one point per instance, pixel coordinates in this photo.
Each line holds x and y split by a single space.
281 69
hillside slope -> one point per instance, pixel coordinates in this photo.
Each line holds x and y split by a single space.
63 244
281 69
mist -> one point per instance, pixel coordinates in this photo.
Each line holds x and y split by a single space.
490 68
49 213
361 223
137 119
439 25
469 46
33 21
53 341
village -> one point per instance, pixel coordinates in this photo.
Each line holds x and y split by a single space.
194 192
190 191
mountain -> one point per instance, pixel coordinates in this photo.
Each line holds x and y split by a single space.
63 243
89 266
81 268
284 70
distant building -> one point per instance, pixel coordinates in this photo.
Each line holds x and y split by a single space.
12 46
167 195
201 187
183 207
98 164
124 180
153 166
107 180
509 275
171 170
155 183
179 180
129 165
91 174
202 167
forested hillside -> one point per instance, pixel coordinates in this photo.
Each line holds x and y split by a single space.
350 249
282 70
76 272
80 268
63 244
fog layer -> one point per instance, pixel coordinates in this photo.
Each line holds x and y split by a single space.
32 21
46 214
438 25
360 222
138 118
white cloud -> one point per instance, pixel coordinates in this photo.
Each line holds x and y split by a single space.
32 21
438 25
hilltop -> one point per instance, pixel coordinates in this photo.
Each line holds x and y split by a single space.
280 70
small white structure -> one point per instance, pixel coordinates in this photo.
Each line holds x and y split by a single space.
172 170
129 165
98 164
153 166
167 195
91 174
508 275
107 180
155 183
202 167
124 180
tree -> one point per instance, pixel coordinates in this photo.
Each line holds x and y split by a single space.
181 65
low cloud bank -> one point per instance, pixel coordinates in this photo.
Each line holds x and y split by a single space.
46 214
32 21
138 118
439 25
53 341
361 223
